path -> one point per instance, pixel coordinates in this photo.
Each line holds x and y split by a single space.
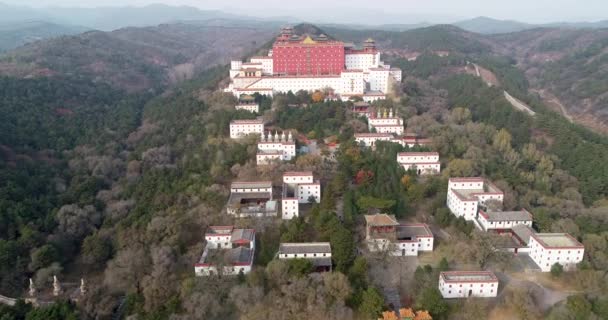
7 301
552 100
518 104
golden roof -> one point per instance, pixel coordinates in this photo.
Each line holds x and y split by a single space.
308 40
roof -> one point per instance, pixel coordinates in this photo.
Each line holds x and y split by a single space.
522 232
417 154
233 256
247 121
414 230
219 231
240 256
373 135
522 215
297 173
471 179
557 241
242 235
381 219
305 247
251 184
468 276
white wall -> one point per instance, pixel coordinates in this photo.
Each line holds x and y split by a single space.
545 257
204 271
461 289
255 108
266 64
296 179
466 209
262 159
370 141
241 130
307 190
491 225
290 208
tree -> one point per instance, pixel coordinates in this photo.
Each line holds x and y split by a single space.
43 257
459 168
430 299
557 270
299 267
372 303
443 265
367 202
96 250
318 96
343 248
579 307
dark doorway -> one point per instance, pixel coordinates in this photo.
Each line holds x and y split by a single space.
470 292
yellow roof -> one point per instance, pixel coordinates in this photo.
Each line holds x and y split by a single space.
308 40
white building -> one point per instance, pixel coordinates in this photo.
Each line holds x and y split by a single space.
363 74
275 147
385 234
251 199
546 249
298 188
465 195
370 139
502 220
464 284
251 107
228 247
421 162
385 122
319 253
241 128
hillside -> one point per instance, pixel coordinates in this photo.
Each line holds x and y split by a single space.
567 68
485 25
118 187
135 59
17 34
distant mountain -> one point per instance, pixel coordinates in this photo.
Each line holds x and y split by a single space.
111 18
485 25
135 59
14 35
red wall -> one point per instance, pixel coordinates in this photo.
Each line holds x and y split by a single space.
308 59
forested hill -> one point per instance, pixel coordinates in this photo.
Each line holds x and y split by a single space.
135 59
81 97
103 178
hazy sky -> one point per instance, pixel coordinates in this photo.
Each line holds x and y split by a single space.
410 10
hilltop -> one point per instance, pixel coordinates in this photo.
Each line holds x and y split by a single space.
135 59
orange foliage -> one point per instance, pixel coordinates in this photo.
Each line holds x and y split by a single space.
318 96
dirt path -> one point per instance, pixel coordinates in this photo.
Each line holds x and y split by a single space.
518 104
551 100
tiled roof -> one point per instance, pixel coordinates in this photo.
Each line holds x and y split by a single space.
381 219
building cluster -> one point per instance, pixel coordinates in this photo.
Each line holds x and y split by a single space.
383 233
480 201
298 188
248 103
251 199
229 251
310 63
275 147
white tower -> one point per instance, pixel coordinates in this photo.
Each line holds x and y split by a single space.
56 286
32 288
